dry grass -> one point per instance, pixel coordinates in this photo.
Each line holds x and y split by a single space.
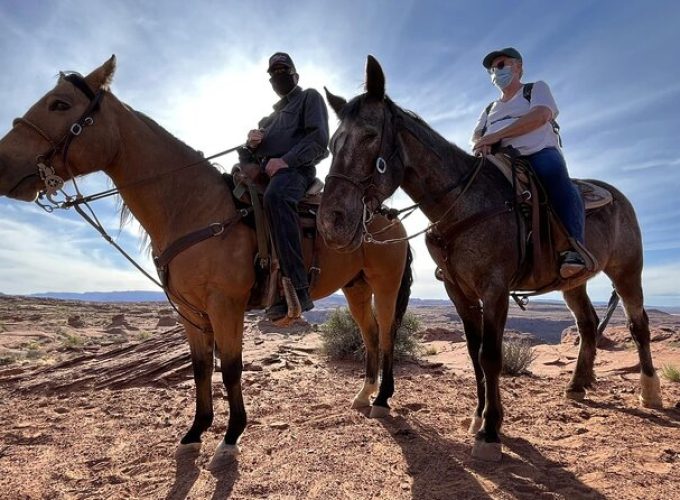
517 356
671 372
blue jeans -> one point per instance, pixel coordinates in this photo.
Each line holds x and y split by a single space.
563 196
281 197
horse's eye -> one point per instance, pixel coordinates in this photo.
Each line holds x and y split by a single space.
370 136
60 106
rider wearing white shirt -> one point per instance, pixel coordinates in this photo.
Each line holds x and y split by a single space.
528 125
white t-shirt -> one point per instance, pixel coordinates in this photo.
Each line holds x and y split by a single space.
503 114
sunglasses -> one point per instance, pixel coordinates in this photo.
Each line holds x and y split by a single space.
500 65
281 70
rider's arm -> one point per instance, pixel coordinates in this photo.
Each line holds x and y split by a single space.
535 118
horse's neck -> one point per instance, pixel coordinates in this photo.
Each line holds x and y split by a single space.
174 202
431 179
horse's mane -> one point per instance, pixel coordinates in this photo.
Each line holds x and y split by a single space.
153 124
124 211
416 125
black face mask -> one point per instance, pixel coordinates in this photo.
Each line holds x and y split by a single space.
282 83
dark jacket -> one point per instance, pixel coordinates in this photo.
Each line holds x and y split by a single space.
297 132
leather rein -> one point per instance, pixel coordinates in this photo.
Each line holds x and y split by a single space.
54 184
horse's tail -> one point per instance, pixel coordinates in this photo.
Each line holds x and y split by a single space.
404 291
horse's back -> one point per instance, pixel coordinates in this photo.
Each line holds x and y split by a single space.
612 231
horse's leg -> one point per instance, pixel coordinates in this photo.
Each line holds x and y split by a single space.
359 296
494 314
470 313
385 299
586 320
226 317
629 287
201 346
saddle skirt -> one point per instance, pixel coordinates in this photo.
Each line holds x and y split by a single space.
593 195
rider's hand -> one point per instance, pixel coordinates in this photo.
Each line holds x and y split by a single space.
254 138
483 144
274 165
482 150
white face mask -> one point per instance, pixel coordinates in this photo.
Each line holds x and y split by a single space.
501 78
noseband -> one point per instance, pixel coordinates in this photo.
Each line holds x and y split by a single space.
46 171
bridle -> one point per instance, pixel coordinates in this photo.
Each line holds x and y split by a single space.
368 188
371 195
45 169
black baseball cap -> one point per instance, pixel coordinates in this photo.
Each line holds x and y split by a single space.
280 59
508 52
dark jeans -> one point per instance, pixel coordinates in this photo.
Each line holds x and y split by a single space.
564 198
284 192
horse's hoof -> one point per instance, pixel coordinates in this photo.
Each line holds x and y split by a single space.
475 425
489 452
653 403
225 453
360 403
379 412
575 395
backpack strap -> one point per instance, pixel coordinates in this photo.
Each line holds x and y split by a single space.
526 92
486 110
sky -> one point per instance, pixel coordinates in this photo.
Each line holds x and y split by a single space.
199 69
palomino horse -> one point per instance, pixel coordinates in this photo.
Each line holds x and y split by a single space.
379 147
211 281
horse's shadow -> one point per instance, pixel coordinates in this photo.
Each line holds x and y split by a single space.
441 468
226 475
665 417
187 472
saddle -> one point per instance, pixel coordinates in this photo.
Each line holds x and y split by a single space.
248 182
542 235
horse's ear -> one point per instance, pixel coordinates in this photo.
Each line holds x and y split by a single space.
336 102
101 77
375 78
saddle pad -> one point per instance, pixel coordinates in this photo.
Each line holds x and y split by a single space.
593 196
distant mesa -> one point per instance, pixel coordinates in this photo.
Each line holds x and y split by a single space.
124 296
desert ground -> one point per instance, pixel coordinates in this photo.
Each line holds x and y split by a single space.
94 398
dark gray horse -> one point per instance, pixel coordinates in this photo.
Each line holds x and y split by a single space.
379 147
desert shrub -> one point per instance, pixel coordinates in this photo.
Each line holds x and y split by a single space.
143 335
72 341
33 350
8 359
431 351
671 372
341 338
517 356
